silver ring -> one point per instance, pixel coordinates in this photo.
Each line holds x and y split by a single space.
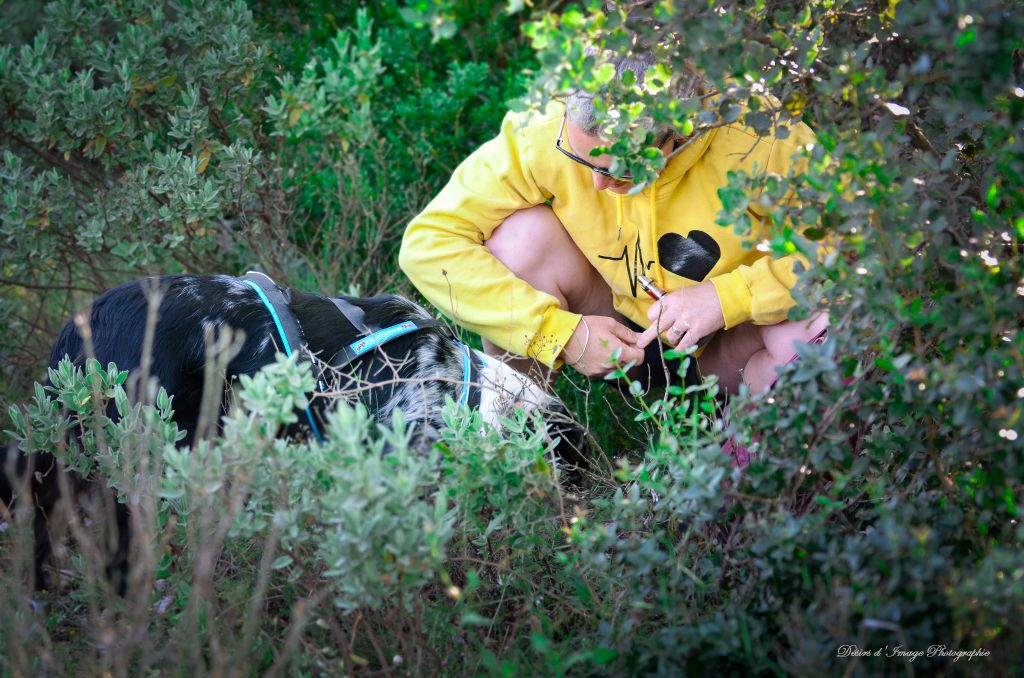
676 330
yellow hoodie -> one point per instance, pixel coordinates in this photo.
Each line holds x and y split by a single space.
668 232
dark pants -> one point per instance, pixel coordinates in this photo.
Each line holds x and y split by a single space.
658 371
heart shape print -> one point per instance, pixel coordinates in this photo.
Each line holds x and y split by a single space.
691 257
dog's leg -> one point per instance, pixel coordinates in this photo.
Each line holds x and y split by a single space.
44 495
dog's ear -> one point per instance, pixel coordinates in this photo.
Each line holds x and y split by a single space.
573 451
573 448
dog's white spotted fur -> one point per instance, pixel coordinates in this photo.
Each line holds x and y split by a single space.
503 388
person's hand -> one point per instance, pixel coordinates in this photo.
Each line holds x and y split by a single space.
593 357
686 316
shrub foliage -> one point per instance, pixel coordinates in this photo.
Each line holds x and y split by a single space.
882 506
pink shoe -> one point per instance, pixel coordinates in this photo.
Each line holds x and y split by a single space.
741 456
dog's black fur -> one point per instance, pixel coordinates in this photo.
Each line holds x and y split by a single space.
413 372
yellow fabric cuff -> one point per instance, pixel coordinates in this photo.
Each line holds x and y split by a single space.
555 329
735 297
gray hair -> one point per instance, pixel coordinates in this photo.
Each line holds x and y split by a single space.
579 103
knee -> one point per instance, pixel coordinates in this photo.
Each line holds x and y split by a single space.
781 340
525 240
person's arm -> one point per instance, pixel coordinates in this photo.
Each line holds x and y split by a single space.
443 253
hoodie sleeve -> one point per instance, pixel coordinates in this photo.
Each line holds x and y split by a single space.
760 292
443 253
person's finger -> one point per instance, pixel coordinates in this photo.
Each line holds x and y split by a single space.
687 340
633 353
660 325
647 336
655 311
675 333
626 354
623 333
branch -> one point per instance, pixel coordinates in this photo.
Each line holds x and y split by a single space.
73 170
214 118
46 288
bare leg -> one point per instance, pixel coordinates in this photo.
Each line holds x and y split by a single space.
728 353
535 246
750 354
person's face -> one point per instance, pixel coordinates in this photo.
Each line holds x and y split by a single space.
582 144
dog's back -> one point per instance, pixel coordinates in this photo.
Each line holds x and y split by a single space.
181 309
33 477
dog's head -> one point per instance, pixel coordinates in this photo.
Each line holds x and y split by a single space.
503 388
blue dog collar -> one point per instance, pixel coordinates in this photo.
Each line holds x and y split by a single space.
467 373
380 337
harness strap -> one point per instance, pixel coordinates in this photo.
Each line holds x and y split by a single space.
352 313
371 341
287 327
467 373
291 338
469 397
276 302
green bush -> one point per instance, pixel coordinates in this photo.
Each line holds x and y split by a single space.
328 508
129 144
373 124
141 138
888 479
882 508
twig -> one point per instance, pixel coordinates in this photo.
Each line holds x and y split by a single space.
47 288
300 617
74 171
214 118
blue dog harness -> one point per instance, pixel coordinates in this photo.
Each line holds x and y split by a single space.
291 339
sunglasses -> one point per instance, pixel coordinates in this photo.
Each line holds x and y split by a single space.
625 176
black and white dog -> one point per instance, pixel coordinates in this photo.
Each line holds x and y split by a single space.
386 349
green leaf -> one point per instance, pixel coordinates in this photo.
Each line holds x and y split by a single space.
657 78
604 74
828 504
540 642
573 18
125 250
966 38
992 195
780 41
760 122
805 17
